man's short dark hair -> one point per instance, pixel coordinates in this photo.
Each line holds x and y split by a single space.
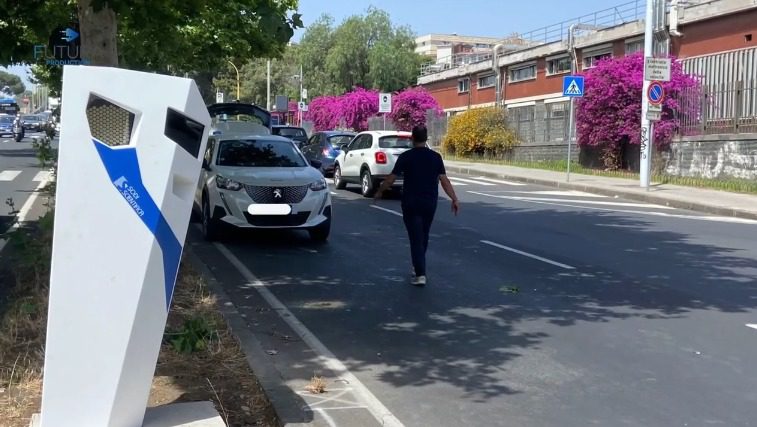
420 133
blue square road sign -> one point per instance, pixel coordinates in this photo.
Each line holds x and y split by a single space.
573 86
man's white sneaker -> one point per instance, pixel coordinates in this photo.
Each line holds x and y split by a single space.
419 281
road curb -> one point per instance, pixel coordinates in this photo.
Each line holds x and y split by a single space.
631 195
286 406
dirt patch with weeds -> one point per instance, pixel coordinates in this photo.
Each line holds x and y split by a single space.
200 360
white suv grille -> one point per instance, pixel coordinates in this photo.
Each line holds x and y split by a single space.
269 195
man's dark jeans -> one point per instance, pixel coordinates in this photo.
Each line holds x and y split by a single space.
418 215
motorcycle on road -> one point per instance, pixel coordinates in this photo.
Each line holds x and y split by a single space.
18 130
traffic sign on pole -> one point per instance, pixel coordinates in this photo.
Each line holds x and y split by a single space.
573 86
385 103
655 93
219 97
657 69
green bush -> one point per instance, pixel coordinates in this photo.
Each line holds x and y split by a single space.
480 131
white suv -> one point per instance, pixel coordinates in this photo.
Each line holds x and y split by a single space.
261 181
369 159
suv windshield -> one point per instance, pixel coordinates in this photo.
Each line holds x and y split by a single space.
395 142
259 153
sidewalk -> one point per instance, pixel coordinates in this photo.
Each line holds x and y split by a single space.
697 199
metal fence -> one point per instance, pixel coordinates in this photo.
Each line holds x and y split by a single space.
724 108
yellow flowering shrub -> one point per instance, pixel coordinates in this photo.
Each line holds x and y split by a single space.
479 131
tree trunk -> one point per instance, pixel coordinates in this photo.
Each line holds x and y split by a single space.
98 34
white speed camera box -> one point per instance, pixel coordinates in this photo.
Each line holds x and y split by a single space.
129 161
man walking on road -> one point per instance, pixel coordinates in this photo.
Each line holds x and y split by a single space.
422 170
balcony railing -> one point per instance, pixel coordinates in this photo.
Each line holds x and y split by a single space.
631 11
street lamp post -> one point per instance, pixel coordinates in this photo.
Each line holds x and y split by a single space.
238 84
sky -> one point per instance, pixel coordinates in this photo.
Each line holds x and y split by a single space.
491 18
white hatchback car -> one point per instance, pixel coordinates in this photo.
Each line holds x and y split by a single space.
369 159
261 181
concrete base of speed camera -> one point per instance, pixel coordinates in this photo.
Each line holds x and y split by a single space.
188 414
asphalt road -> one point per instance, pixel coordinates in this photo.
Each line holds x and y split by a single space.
543 308
20 175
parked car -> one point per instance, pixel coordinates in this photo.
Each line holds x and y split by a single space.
261 181
369 159
296 134
325 147
33 122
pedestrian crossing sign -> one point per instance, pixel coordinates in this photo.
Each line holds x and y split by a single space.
573 86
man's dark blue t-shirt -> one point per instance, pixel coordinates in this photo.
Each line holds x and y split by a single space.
420 168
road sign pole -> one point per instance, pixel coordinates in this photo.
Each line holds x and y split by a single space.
571 133
647 127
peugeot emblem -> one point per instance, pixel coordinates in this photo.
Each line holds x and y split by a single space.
277 194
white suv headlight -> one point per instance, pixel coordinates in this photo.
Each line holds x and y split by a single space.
319 185
227 184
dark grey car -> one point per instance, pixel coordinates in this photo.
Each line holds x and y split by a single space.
296 134
325 147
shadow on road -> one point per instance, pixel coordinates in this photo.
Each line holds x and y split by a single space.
469 328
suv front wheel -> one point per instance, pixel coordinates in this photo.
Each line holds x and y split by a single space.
367 186
339 181
210 226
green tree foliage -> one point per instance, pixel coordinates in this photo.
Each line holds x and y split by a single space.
11 84
480 131
363 51
254 75
166 36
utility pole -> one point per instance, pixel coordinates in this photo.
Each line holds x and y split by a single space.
301 88
647 126
268 88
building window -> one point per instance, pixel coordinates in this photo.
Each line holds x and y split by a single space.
523 123
487 81
591 58
558 65
463 85
527 72
634 46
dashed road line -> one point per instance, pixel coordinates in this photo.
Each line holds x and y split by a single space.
501 181
371 402
583 202
526 254
733 220
9 175
557 193
751 325
393 212
470 181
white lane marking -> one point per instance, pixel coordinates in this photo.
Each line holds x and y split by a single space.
9 175
733 220
458 184
42 176
557 193
583 202
526 254
751 325
374 406
470 181
330 421
334 193
24 212
393 212
501 181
